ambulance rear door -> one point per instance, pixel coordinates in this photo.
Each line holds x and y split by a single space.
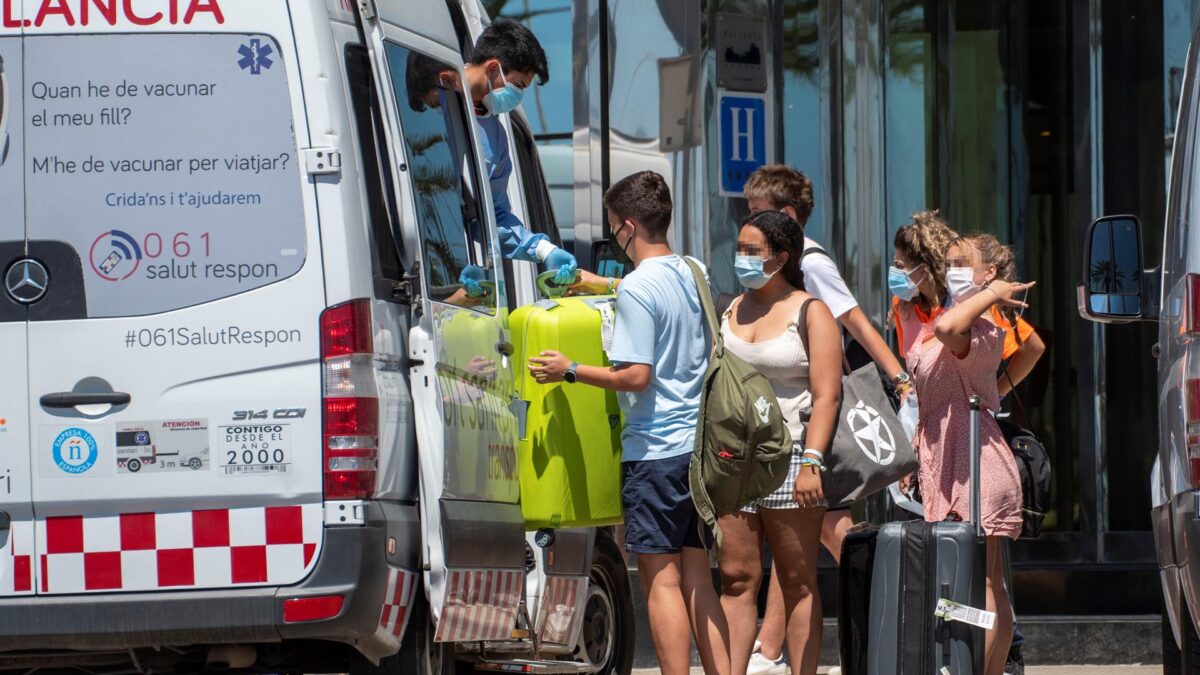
174 375
23 280
459 349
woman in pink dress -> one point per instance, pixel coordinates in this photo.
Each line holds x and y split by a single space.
952 354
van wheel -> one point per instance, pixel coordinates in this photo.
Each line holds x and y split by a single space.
419 654
606 641
195 463
134 465
1177 661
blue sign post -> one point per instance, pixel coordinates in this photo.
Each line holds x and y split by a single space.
743 131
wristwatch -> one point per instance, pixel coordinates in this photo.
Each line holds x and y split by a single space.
902 379
569 375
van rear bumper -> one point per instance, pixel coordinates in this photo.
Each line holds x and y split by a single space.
352 563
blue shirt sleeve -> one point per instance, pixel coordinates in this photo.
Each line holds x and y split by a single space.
634 333
516 241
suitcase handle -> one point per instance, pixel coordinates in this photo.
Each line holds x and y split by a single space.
545 284
976 405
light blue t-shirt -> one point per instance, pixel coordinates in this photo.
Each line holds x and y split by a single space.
660 323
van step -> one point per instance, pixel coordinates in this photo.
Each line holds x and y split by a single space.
531 666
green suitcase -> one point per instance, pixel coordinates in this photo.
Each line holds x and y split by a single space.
570 455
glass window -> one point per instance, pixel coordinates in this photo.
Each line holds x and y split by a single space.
442 169
800 53
377 178
12 178
909 88
168 162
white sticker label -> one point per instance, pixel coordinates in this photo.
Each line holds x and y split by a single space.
952 611
256 449
607 325
162 445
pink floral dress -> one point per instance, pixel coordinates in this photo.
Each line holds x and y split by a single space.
943 384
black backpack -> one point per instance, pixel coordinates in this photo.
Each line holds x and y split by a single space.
1033 465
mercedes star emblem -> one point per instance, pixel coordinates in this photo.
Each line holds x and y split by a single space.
26 281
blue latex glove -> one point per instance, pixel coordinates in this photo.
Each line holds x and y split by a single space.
470 278
564 264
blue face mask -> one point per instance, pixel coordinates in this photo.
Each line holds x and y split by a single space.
901 285
749 269
506 99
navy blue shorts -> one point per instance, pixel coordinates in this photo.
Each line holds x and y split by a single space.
659 514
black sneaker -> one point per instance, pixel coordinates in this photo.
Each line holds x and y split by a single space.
1015 665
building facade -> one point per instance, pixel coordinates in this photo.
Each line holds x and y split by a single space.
1022 118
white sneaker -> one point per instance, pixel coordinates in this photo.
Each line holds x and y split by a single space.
761 665
835 670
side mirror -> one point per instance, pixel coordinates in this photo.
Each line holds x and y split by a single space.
605 262
1113 288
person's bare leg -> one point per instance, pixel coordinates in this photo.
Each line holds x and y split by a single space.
833 531
740 561
795 542
708 621
662 583
771 632
998 640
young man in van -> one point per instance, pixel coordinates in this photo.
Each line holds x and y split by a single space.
506 59
660 351
777 187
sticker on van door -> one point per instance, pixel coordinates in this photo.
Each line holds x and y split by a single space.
162 445
75 451
255 449
167 162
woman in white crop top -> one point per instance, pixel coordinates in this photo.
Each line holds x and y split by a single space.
761 327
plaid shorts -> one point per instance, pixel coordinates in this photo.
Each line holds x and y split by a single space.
782 498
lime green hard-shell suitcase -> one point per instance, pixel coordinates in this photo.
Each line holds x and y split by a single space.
570 455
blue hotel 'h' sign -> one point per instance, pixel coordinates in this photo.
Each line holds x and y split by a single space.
743 130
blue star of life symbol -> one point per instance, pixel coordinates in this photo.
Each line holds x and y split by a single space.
255 56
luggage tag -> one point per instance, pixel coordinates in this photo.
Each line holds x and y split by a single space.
953 611
608 322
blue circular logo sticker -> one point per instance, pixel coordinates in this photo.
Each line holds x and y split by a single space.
75 451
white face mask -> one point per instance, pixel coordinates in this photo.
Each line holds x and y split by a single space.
960 281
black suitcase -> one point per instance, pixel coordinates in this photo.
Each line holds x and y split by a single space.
890 582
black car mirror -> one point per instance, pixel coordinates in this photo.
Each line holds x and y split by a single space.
1112 289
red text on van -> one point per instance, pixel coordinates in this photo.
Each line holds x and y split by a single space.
137 12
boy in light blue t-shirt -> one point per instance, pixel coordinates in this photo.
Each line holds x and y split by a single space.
660 350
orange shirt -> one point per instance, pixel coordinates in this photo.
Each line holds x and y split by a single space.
1011 346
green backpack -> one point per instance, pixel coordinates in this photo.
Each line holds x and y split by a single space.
743 449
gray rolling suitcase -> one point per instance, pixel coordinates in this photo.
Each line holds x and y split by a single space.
915 564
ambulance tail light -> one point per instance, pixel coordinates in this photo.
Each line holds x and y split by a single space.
316 608
351 401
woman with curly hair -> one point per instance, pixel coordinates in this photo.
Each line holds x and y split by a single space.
952 357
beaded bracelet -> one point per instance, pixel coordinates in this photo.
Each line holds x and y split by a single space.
805 461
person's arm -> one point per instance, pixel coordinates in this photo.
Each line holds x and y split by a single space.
516 241
953 327
1022 364
825 380
549 366
860 327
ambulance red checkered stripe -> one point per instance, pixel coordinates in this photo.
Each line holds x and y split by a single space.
480 605
397 601
178 549
16 563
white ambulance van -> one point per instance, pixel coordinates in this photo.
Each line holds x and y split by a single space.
231 233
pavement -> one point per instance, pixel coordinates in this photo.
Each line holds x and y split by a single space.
1030 670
